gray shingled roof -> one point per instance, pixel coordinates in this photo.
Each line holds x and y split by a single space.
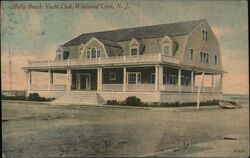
173 29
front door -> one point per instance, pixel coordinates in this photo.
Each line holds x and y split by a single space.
83 82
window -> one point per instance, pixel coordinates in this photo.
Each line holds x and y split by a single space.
112 76
93 53
191 54
165 78
59 56
88 54
166 51
204 57
134 51
201 57
215 59
204 35
134 77
171 79
152 77
98 53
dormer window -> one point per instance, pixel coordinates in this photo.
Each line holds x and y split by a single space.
59 56
93 53
167 46
134 51
134 47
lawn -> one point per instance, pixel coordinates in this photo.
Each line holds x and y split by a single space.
42 130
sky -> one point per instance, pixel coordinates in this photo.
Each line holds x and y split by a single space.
34 34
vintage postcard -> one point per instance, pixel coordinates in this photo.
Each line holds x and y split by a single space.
125 78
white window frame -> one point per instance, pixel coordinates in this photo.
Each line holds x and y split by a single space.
137 77
98 51
204 35
110 76
137 49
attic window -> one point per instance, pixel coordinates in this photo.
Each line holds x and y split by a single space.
134 47
204 35
215 59
191 54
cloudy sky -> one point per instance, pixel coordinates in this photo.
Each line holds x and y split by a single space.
34 34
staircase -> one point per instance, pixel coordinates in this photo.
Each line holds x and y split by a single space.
79 97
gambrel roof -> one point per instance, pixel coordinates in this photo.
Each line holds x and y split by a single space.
145 32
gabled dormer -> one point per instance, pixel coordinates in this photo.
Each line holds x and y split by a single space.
134 47
168 45
62 53
94 48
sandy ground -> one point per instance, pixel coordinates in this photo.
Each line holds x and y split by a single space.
43 130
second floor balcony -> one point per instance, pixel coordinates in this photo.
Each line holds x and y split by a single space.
117 60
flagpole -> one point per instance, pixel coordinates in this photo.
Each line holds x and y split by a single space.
10 72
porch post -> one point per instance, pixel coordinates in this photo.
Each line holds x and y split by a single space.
50 80
28 82
160 77
192 81
212 84
124 79
68 79
179 80
99 79
156 77
221 80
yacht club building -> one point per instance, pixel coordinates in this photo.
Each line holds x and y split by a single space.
159 63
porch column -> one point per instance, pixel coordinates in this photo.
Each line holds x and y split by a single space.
221 80
69 79
100 86
212 84
124 79
156 77
179 80
99 79
160 77
50 80
192 81
28 82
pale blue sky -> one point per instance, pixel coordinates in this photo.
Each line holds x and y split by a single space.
40 31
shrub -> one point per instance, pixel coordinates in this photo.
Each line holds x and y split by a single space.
112 102
133 101
36 97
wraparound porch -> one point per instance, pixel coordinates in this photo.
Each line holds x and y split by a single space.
129 79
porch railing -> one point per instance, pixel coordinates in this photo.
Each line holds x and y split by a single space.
105 60
39 87
140 87
58 87
112 87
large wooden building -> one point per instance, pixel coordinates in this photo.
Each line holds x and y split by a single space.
160 63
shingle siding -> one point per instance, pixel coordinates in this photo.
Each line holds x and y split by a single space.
196 43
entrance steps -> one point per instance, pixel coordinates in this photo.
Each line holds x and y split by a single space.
79 97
